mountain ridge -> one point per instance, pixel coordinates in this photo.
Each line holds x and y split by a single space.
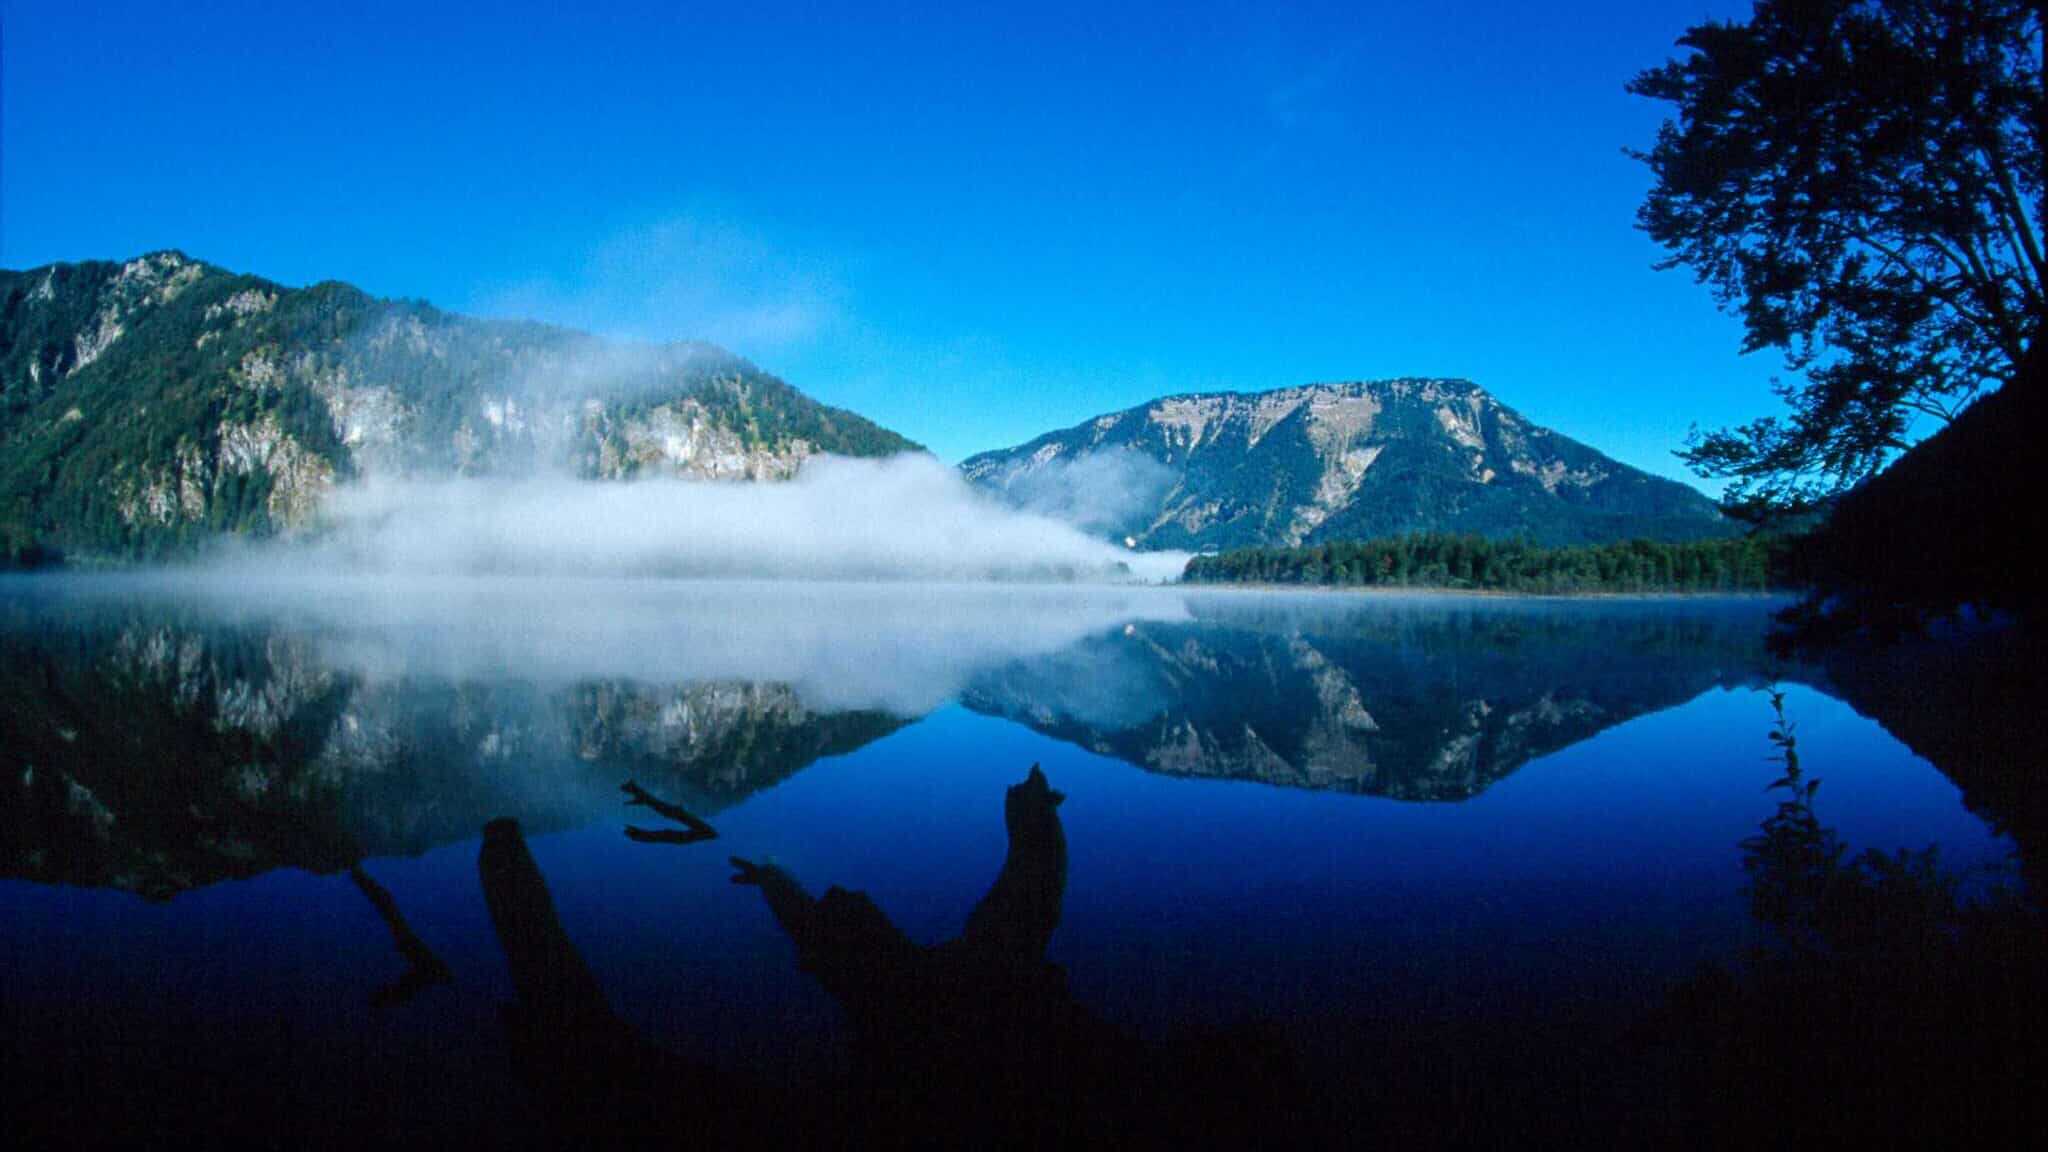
1354 459
149 404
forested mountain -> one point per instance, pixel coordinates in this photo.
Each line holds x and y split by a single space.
1352 461
146 405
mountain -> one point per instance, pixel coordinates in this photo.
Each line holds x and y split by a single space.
146 405
1343 461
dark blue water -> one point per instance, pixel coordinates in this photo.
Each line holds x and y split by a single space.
1296 810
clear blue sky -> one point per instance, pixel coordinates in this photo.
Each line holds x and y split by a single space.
970 227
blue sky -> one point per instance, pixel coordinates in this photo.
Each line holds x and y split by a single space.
972 227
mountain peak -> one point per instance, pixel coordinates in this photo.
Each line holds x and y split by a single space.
149 402
1350 459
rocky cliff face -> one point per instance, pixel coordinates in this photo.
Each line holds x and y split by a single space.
145 405
1355 460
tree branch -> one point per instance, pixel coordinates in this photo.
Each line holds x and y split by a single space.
2019 230
695 829
1997 326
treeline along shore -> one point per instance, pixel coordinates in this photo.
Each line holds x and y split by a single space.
1753 564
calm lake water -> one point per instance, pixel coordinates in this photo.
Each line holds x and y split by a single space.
238 815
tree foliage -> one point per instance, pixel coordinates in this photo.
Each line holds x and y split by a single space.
1435 560
1861 182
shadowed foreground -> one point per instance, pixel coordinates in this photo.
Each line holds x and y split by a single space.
1879 992
972 1041
1884 1001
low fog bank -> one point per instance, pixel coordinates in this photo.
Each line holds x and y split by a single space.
901 647
904 518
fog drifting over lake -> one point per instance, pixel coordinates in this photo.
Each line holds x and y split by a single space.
899 646
908 517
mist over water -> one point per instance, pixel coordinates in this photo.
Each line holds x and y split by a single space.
900 646
908 517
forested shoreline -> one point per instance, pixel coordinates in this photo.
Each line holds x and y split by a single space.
1753 564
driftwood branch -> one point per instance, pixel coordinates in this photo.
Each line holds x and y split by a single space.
423 968
694 830
668 835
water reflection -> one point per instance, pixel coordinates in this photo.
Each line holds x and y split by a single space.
973 1041
1891 1001
1563 790
163 735
694 829
582 1070
1882 1006
1968 703
160 747
423 967
1417 700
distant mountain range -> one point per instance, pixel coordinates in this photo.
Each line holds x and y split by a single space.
148 405
1347 461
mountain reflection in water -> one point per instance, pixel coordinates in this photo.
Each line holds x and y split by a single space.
1471 842
177 737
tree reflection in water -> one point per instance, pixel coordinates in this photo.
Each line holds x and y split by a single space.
424 968
1887 1003
973 1040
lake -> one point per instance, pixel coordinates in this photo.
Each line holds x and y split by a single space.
246 891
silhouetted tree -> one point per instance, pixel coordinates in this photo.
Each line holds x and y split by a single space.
1861 181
